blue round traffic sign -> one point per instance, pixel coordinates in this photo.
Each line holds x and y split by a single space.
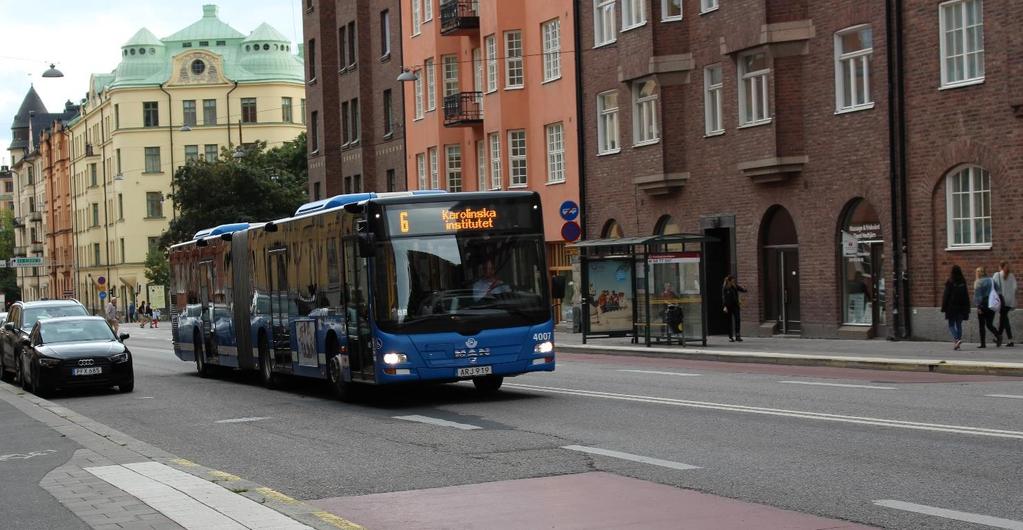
571 231
569 210
102 295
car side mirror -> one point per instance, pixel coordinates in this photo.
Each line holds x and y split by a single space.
124 337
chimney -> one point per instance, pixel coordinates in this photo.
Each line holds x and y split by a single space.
209 11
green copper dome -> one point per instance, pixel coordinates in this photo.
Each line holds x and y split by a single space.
144 37
209 27
265 33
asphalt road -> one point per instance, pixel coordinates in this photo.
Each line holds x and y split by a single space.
765 434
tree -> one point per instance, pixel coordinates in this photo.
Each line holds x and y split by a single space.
157 267
8 276
262 185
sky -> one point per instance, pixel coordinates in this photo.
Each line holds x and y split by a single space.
84 37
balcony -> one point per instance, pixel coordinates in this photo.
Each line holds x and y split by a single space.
35 217
20 251
36 247
463 109
19 222
459 17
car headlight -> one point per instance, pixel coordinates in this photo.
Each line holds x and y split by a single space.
544 347
47 362
395 358
118 358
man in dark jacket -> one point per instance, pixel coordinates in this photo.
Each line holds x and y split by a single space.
955 303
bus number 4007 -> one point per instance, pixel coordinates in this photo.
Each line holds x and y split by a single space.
539 337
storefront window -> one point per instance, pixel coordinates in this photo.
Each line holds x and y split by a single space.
862 258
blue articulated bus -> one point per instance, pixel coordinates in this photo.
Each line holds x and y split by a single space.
371 288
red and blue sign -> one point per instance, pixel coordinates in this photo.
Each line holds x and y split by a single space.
571 231
569 211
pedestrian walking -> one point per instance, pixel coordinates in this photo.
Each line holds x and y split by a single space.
982 288
1005 284
131 312
111 314
143 314
155 313
955 304
730 300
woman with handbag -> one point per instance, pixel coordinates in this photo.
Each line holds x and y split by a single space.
955 304
983 288
730 300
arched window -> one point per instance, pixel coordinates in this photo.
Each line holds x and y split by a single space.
612 230
968 193
667 226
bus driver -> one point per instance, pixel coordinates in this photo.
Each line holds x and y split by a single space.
489 284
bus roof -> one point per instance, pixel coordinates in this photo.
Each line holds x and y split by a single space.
222 229
350 198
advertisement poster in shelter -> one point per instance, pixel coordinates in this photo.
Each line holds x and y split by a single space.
610 295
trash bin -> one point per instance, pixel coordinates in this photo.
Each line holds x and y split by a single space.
577 319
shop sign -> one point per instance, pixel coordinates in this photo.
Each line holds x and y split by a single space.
866 232
674 257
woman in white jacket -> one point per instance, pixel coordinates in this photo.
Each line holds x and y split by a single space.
1005 283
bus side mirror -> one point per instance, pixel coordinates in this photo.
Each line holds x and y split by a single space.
9 326
366 244
558 287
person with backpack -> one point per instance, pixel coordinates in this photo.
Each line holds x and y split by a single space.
955 304
982 289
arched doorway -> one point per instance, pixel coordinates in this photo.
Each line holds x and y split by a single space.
780 250
861 254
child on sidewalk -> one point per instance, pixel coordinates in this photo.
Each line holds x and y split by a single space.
156 318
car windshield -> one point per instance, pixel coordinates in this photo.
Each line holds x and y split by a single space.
34 314
75 331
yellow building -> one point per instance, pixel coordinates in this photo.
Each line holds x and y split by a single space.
202 90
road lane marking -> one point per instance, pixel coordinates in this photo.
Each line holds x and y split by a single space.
438 421
243 420
882 422
655 372
967 517
842 385
1007 396
630 457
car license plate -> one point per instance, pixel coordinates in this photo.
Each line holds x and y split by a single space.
474 371
87 371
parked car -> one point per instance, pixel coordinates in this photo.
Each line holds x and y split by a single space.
74 352
20 318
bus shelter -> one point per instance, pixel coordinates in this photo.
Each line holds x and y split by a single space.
650 288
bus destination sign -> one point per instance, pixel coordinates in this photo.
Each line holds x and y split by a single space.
459 218
468 219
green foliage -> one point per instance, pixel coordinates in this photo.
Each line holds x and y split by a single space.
262 185
157 267
8 277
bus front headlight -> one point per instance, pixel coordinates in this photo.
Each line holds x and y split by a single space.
395 358
544 347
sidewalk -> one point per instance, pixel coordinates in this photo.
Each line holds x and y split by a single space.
875 354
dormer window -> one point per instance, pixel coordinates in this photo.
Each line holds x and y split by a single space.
186 44
198 67
221 43
246 47
266 47
142 51
133 51
204 43
125 53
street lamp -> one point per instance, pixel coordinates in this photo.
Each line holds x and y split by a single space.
53 72
185 128
408 73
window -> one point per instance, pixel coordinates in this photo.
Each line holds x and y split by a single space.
314 126
316 191
248 110
353 49
92 173
712 84
450 64
302 109
453 157
416 21
345 139
418 86
390 180
421 170
962 42
191 153
286 115
513 72
853 51
481 165
551 32
607 122
605 27
150 114
209 112
122 250
95 254
152 243
555 152
753 95
120 206
517 158
633 13
427 10
154 205
388 114
355 121
188 109
431 84
311 57
671 10
491 49
969 207
645 127
431 153
357 183
495 161
117 116
153 160
342 46
211 152
385 33
708 5
95 214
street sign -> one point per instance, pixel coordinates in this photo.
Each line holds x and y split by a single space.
570 231
101 280
102 295
26 262
569 210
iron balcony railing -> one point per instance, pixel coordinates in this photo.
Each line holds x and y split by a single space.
459 16
463 108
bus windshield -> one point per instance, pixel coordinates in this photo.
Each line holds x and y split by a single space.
460 283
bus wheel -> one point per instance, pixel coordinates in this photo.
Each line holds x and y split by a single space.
266 369
342 390
488 385
201 367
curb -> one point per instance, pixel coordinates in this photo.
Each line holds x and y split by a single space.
865 363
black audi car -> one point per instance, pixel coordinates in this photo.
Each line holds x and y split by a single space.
74 352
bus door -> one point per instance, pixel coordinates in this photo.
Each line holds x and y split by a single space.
277 274
206 288
360 349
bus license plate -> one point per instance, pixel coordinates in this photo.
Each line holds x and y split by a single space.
474 371
87 371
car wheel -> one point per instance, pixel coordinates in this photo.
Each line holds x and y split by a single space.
488 385
19 376
201 367
127 387
266 367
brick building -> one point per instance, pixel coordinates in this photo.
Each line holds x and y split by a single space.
354 105
55 152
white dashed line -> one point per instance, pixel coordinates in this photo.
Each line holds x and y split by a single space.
838 385
655 372
976 518
243 420
630 457
438 421
1007 396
